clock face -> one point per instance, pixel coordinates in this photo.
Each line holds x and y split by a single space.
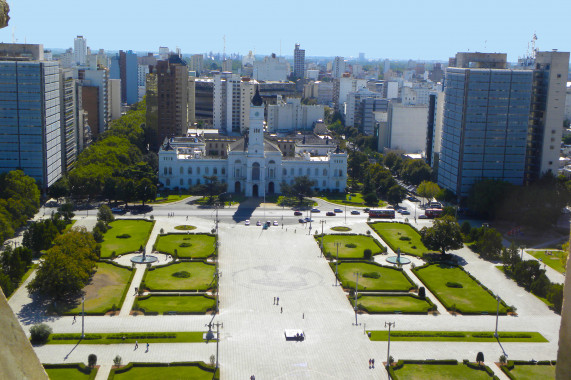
257 113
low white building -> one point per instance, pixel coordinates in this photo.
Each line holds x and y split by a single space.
290 116
254 165
407 127
271 69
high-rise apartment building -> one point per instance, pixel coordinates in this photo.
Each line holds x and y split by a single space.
360 108
164 53
80 51
95 98
167 99
272 68
299 62
339 67
231 102
485 123
197 63
124 66
68 119
30 130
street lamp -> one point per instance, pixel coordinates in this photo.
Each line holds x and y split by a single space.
497 316
390 324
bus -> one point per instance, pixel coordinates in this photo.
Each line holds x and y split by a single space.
433 212
384 213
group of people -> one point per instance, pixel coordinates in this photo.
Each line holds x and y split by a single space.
371 363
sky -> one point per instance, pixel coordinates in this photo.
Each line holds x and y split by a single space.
413 29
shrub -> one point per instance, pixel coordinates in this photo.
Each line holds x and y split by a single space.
184 245
422 292
92 360
162 231
40 333
367 254
181 274
404 238
413 247
123 236
451 284
212 360
368 232
391 360
372 275
466 228
186 238
503 359
350 245
117 361
152 217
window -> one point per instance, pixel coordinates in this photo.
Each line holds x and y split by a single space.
550 162
206 170
223 170
300 171
181 182
165 171
215 171
291 171
198 170
316 171
189 182
324 183
558 75
308 171
168 181
181 171
189 171
170 170
284 171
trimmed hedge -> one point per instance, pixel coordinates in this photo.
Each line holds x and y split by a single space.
202 365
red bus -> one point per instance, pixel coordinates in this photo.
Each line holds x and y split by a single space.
433 212
384 213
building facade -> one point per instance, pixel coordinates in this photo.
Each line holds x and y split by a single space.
30 129
299 62
80 51
254 165
291 115
272 68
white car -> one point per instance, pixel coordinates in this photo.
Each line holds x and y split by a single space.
422 216
276 223
247 222
258 223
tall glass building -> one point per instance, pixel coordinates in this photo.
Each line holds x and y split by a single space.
485 127
30 116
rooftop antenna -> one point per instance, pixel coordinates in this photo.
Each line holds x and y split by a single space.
533 48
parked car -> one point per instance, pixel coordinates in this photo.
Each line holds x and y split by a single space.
405 212
268 223
330 213
355 212
301 220
258 223
247 222
422 216
337 210
307 220
366 210
315 210
118 210
276 223
297 213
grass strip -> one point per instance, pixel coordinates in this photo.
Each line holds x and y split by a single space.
117 338
458 336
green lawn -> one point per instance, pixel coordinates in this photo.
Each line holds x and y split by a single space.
201 245
69 374
169 199
105 289
201 276
181 304
391 304
361 243
533 372
458 336
553 259
439 372
69 226
470 298
139 231
394 233
114 338
349 199
390 278
171 372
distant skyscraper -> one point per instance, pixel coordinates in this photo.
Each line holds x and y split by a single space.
272 68
299 62
197 63
361 56
68 119
163 53
387 66
339 67
80 50
30 113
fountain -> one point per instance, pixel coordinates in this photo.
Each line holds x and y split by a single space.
144 259
398 259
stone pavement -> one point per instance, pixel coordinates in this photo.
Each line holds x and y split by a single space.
131 294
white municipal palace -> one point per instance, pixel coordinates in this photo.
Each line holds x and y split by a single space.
254 165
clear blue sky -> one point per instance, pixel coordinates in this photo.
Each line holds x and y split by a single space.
381 29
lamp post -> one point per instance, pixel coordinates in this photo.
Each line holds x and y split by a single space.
356 296
337 244
82 317
390 324
497 316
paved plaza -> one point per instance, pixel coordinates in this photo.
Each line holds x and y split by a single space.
284 261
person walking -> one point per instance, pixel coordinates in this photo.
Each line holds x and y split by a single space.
281 310
369 363
278 299
136 344
373 362
147 347
74 318
274 300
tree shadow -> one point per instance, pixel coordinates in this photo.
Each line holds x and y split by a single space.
42 309
246 209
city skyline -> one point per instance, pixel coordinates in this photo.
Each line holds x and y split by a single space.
427 32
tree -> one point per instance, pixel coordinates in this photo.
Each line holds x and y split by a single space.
92 360
40 333
356 165
66 211
480 358
371 199
213 186
416 171
443 236
396 194
146 190
39 235
466 228
393 161
427 190
105 215
490 245
301 187
67 266
486 196
59 189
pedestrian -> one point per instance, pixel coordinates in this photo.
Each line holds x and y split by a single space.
274 300
74 318
147 347
373 361
281 310
278 299
136 344
369 363
187 217
303 316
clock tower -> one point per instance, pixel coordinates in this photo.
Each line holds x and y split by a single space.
256 128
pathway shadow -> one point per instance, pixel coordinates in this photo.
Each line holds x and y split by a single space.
246 209
35 312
